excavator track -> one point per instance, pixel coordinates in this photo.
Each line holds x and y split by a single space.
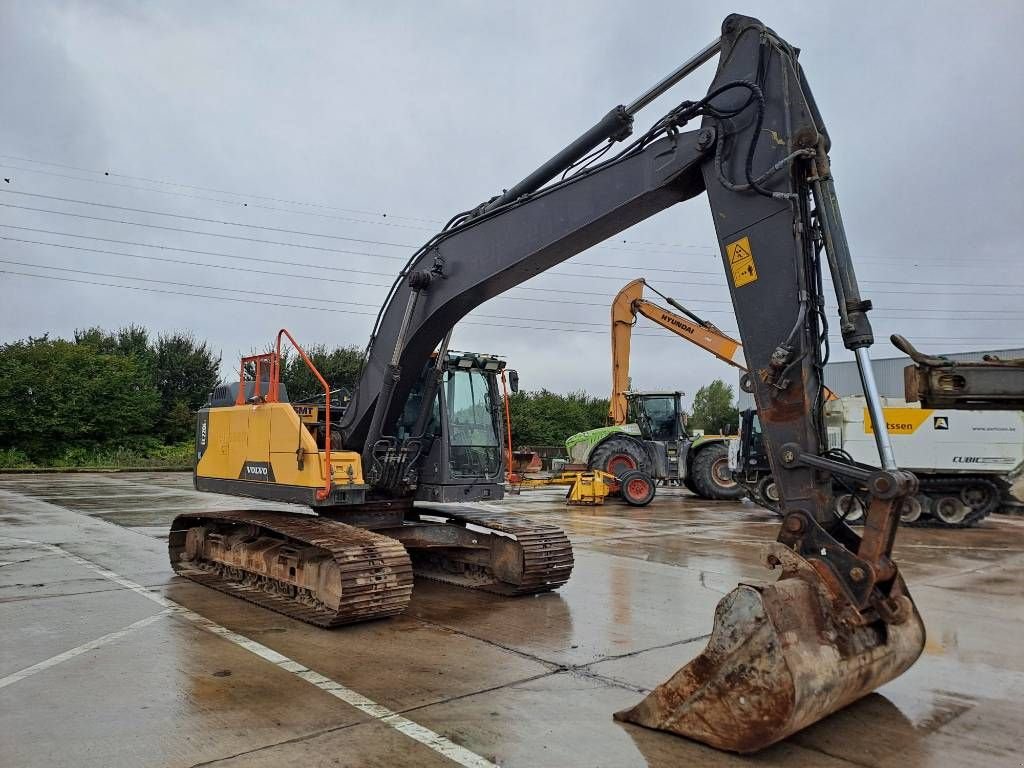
308 568
539 559
933 490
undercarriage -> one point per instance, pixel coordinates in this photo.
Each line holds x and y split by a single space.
325 572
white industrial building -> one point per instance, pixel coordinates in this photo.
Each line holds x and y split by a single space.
844 379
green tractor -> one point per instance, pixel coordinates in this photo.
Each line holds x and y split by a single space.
656 441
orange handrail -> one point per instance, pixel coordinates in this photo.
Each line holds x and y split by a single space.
323 493
508 427
273 360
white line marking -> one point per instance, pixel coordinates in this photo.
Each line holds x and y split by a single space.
425 736
79 650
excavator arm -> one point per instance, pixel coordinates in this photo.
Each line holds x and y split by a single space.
839 621
629 303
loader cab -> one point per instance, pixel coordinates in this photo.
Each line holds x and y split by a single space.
659 415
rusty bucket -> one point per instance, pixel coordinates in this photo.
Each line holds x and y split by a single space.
780 657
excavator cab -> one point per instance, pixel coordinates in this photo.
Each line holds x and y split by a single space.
467 462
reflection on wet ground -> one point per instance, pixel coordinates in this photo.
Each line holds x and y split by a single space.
530 681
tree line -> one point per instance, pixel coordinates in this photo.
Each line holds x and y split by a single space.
126 397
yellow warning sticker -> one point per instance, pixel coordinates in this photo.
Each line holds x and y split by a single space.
741 262
900 421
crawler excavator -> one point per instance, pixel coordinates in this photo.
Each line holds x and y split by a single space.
836 624
648 431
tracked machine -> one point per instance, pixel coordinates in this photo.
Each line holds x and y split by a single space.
836 624
355 558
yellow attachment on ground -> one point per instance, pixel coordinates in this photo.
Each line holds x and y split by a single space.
268 443
589 487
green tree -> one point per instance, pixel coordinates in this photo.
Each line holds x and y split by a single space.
339 366
55 394
714 409
547 418
131 341
184 371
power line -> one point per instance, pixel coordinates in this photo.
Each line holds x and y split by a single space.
222 222
201 219
350 252
385 256
988 339
562 292
206 286
233 203
201 189
173 248
290 263
280 230
708 250
199 232
289 306
251 270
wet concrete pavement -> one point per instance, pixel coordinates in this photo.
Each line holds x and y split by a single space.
193 677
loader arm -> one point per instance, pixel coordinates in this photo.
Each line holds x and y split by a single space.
761 156
629 303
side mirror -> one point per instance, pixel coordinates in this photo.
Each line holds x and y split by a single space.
513 381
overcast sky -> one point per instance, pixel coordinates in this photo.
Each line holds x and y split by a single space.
322 117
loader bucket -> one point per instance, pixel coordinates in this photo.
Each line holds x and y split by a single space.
778 659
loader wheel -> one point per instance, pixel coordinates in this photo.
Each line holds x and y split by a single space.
637 488
617 456
712 476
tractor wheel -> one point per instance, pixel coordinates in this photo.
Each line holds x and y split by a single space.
618 455
712 476
688 484
636 487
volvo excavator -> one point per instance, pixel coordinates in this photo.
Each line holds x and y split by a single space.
836 624
648 431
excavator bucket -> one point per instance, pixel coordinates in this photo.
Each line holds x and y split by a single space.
779 658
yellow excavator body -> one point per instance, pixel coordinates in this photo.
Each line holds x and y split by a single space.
242 446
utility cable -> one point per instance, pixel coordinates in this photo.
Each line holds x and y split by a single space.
368 314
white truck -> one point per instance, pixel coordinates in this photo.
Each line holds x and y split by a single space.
965 460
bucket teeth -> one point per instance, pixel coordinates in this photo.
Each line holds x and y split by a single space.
777 661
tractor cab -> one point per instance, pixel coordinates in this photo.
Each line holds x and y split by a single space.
659 415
